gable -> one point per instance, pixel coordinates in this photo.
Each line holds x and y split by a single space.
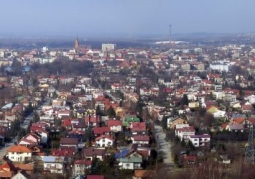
134 154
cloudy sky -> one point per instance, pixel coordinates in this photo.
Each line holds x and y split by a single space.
124 17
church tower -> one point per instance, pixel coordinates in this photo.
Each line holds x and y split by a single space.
76 44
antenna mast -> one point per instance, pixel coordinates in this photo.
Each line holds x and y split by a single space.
250 149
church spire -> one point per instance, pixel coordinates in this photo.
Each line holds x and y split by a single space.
76 43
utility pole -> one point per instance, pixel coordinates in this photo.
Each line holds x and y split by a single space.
250 148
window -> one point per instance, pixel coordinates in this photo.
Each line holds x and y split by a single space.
127 165
103 140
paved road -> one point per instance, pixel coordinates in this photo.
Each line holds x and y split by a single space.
3 150
164 146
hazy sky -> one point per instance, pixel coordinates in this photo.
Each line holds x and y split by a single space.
124 17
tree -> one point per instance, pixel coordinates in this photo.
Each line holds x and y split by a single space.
184 100
111 112
164 122
36 117
22 133
99 112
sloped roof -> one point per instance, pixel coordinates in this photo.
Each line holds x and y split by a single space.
19 148
145 173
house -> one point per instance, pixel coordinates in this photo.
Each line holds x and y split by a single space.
129 119
91 120
138 128
130 163
104 141
98 131
29 140
19 153
140 139
68 152
7 170
172 122
199 140
188 159
140 174
235 127
27 168
53 164
42 134
114 125
247 107
184 132
95 177
80 126
250 122
216 112
90 153
80 167
194 104
20 175
69 142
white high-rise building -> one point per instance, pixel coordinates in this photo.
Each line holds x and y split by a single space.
108 47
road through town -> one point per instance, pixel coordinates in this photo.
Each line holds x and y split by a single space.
164 147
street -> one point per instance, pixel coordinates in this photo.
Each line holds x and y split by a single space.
164 147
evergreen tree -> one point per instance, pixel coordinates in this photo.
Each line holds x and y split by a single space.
111 112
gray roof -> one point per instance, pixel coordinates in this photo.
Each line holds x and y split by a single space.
79 177
131 160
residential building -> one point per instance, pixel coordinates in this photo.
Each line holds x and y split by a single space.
54 164
19 153
199 140
104 141
140 139
80 167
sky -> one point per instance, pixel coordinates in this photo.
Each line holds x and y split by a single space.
129 18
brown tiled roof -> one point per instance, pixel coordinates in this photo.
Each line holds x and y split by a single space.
5 174
92 152
19 148
7 166
25 167
145 173
70 141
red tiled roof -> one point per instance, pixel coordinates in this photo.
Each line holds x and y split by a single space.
63 152
247 107
251 120
95 177
19 148
66 122
186 129
239 120
101 130
83 162
113 122
92 119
